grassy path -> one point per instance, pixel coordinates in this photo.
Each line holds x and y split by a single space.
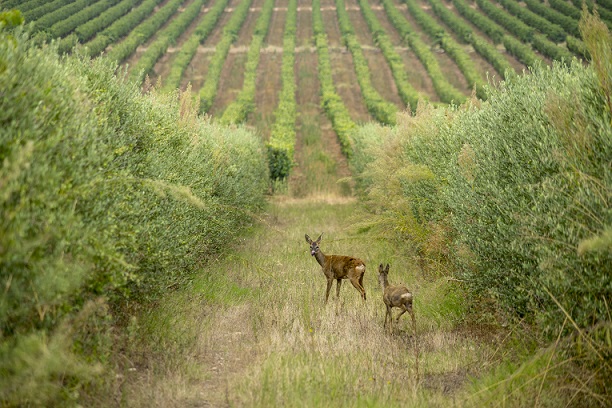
252 330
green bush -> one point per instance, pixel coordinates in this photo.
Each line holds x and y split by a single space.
108 196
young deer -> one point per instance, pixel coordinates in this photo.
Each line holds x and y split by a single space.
338 267
394 296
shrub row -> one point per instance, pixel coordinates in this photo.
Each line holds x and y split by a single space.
522 52
120 27
453 49
512 195
208 92
145 30
108 197
281 144
447 92
406 91
60 14
466 34
577 47
483 23
164 39
22 6
44 8
552 31
380 109
521 30
237 111
569 24
86 31
331 102
604 13
71 21
189 47
550 49
565 8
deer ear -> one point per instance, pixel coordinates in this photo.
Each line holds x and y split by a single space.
308 239
319 239
380 268
387 268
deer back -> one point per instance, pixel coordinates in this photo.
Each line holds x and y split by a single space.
396 296
341 266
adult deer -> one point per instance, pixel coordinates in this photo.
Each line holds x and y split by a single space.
338 267
395 296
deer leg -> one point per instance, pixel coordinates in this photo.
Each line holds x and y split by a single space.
329 285
388 311
400 315
338 284
361 283
360 288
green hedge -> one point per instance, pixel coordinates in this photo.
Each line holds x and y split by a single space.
108 197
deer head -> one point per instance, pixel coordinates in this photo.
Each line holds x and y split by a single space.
383 273
314 245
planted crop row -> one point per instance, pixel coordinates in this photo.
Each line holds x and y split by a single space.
22 6
143 31
569 24
44 8
331 102
604 13
552 31
189 48
168 36
239 109
120 27
88 29
447 92
63 13
453 49
71 21
466 34
208 92
382 110
281 145
406 91
483 23
515 26
520 46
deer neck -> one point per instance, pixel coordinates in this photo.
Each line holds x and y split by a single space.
320 257
384 284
